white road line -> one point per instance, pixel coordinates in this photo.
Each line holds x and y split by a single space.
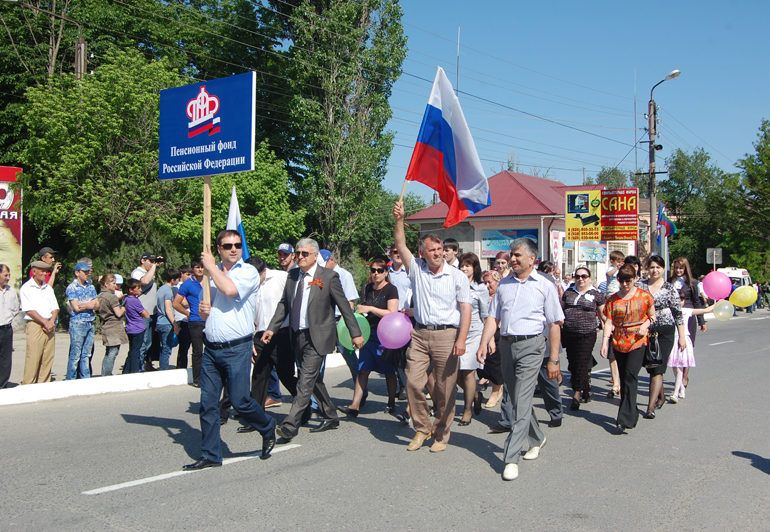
725 342
605 370
164 476
762 318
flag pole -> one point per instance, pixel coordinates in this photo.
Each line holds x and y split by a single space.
403 190
206 232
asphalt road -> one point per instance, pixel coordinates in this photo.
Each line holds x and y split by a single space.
702 464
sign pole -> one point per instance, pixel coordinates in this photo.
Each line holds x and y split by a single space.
206 232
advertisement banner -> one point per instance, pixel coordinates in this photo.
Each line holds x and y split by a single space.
10 221
207 128
620 214
582 217
496 240
592 251
557 252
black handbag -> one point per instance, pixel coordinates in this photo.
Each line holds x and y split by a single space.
653 358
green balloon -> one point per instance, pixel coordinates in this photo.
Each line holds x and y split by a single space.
343 334
723 310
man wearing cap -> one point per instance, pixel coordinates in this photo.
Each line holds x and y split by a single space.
286 257
351 294
227 357
9 308
145 273
81 296
46 255
38 302
284 350
442 312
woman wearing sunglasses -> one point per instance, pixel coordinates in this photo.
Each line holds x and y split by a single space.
380 298
629 312
582 304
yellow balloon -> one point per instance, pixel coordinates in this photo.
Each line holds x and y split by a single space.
745 296
723 310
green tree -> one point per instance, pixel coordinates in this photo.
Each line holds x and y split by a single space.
345 57
609 177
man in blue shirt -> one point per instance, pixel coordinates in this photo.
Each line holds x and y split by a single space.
81 295
227 357
190 291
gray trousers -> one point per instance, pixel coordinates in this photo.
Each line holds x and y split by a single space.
551 398
309 382
520 362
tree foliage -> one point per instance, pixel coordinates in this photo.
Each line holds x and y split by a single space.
610 177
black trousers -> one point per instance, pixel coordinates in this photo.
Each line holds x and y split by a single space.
579 348
6 354
196 340
184 344
629 365
268 357
309 383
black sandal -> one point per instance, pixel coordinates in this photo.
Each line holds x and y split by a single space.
649 415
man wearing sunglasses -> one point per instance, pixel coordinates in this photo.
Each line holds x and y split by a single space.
311 294
228 337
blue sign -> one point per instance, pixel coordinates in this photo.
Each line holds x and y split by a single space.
207 128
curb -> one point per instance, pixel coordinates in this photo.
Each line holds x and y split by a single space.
48 391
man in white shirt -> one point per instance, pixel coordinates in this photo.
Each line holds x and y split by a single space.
9 308
524 305
442 312
42 310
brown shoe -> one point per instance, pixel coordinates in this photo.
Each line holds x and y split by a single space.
417 441
438 446
272 403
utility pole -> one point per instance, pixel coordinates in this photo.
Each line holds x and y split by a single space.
80 58
652 132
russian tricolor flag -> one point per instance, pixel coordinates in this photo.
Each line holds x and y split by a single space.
234 223
445 157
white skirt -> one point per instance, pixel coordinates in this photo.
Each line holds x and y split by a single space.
468 361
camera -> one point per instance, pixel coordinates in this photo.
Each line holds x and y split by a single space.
160 259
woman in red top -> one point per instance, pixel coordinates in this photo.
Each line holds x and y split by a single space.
629 313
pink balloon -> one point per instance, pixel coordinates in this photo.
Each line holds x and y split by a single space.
394 330
717 285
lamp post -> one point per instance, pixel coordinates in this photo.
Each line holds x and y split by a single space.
652 118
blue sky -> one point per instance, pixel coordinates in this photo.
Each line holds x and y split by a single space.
576 63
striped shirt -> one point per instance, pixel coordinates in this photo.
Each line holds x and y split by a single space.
437 296
526 307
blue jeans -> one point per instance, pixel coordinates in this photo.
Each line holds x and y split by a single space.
146 341
273 386
134 358
232 364
108 363
166 334
81 341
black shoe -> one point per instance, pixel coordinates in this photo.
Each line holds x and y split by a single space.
498 429
201 464
390 409
284 435
660 404
649 415
328 424
149 367
402 394
195 385
464 423
555 423
245 428
574 404
586 398
620 428
306 415
349 412
222 420
268 442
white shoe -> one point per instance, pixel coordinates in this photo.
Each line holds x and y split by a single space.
673 399
511 472
681 394
534 452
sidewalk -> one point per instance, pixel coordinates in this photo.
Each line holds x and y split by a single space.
60 388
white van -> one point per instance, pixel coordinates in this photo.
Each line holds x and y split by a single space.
738 276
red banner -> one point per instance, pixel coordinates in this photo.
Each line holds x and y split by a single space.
10 221
620 214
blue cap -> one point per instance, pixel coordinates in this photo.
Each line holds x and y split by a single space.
82 266
325 254
285 248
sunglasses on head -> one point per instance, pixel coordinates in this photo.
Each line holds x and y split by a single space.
228 246
377 270
303 253
582 276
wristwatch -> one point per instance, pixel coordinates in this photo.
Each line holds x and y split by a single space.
553 362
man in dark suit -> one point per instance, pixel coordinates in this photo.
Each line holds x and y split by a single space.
311 294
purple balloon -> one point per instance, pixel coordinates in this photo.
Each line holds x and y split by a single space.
717 285
394 330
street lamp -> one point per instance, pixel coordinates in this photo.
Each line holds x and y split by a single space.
652 119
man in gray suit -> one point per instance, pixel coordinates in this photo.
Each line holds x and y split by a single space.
311 294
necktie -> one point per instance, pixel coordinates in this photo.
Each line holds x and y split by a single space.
296 304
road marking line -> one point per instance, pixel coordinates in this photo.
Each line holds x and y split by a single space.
757 319
605 370
164 476
725 342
